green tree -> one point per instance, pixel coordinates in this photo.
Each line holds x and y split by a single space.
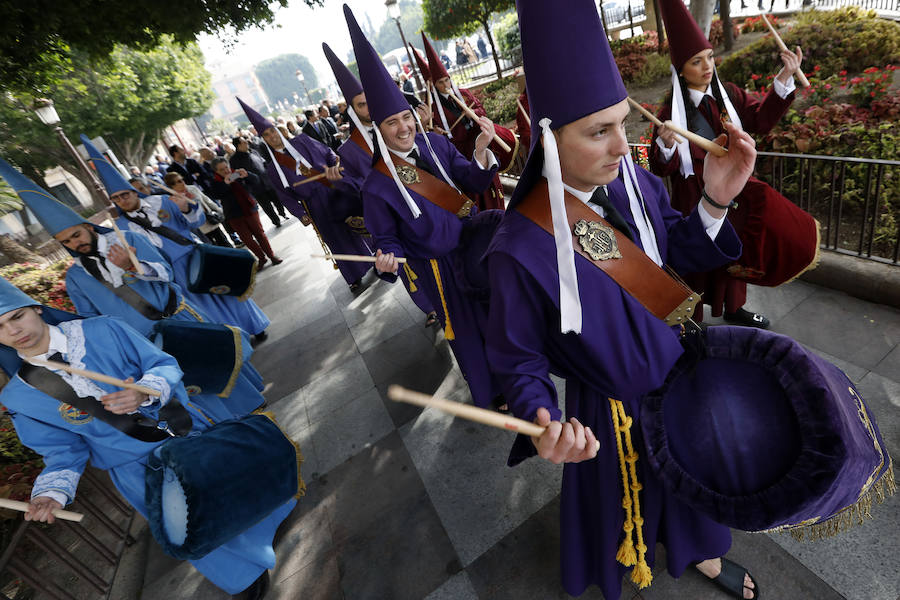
38 39
127 98
12 250
278 77
451 18
388 36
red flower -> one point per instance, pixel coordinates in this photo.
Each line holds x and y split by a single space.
816 68
827 86
754 77
872 94
871 70
842 73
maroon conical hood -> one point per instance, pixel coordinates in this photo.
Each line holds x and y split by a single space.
436 69
420 61
685 37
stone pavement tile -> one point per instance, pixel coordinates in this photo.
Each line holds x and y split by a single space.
182 581
780 576
337 387
854 330
387 535
380 319
882 396
304 538
290 412
349 429
457 587
777 302
463 464
890 365
318 580
525 563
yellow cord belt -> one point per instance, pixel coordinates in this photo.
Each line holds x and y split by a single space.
448 328
630 553
410 277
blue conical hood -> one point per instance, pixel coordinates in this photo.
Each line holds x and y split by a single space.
109 175
52 214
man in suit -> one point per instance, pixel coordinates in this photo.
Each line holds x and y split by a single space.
192 172
314 129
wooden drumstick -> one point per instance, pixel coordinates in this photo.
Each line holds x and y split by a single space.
352 257
467 411
471 114
131 256
708 145
781 45
650 116
313 178
58 366
525 112
460 118
65 515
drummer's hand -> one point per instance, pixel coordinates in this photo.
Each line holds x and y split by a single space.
424 115
386 263
666 135
727 175
791 62
41 509
334 173
564 442
484 139
119 257
305 220
123 402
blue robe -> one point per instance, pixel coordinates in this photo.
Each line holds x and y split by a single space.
622 352
67 439
227 310
435 235
357 163
319 203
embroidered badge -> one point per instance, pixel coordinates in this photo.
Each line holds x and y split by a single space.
358 225
466 209
219 289
129 278
408 174
192 390
163 215
304 170
597 240
70 414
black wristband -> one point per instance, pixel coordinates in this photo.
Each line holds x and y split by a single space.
706 197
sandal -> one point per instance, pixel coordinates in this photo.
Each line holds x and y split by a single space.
731 579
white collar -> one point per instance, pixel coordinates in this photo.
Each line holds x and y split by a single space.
402 154
583 196
58 343
697 95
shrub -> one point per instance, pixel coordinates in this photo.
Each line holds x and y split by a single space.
717 33
499 99
506 33
756 24
655 67
46 285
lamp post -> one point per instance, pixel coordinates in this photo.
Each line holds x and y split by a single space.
302 81
393 8
48 116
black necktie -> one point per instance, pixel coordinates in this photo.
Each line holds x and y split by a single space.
57 357
612 214
91 264
420 162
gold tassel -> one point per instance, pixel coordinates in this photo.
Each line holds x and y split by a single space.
626 554
448 327
410 277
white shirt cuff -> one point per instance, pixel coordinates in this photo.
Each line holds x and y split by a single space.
667 153
784 89
710 224
491 160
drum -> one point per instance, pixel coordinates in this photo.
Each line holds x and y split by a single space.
224 271
469 269
761 434
205 489
216 368
780 239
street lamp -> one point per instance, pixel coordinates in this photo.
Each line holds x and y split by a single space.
393 8
303 83
46 112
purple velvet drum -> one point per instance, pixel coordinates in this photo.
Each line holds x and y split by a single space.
759 433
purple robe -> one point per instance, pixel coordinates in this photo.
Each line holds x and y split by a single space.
321 201
357 164
623 352
435 235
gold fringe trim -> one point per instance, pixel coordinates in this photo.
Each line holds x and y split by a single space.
630 553
301 485
190 309
815 261
448 327
249 291
513 156
411 277
238 362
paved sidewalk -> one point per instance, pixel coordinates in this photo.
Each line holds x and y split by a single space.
405 504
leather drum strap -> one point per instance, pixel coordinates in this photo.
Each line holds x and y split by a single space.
658 290
287 161
428 186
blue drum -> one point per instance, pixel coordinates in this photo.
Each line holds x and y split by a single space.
212 371
222 271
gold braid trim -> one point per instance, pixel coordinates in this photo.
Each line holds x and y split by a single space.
513 156
238 362
301 485
203 414
190 309
448 327
249 291
411 277
641 575
815 261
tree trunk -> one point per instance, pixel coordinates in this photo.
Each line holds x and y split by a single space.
660 28
487 31
725 14
702 11
16 252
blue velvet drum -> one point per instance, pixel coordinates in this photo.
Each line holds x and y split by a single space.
221 271
205 489
213 370
759 433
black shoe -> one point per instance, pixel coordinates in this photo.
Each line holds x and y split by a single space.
354 287
260 337
256 590
748 319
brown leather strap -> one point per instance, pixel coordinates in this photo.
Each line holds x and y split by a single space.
428 186
287 161
658 290
358 138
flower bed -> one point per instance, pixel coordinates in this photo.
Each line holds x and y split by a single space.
47 285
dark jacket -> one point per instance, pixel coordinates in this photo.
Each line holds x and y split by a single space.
326 137
224 193
253 163
192 172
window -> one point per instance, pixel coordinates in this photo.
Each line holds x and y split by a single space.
232 88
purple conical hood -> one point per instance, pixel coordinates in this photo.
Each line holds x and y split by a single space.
382 94
259 122
347 81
